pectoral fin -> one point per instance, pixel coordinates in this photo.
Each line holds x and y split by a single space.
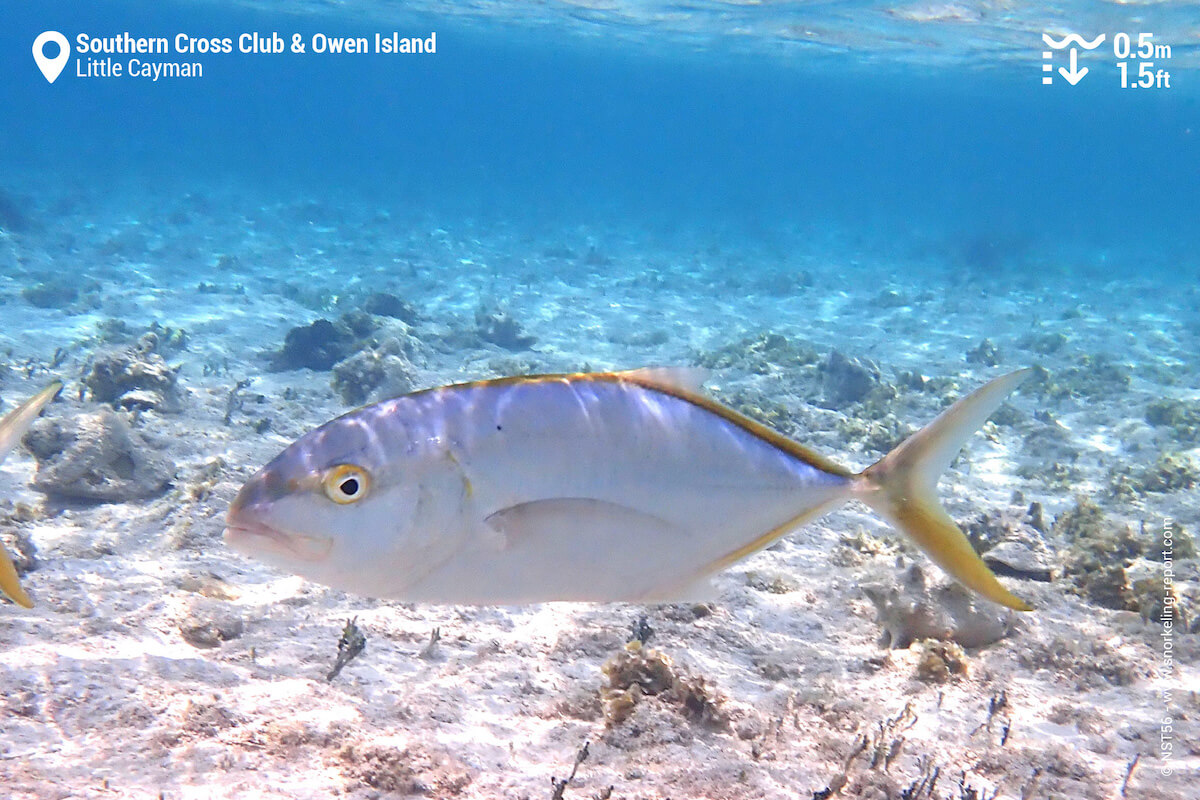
583 519
574 548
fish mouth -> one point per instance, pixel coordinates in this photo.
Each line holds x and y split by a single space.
255 539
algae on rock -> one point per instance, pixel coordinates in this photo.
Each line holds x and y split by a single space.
848 380
985 353
134 378
1092 377
1170 472
1101 555
940 660
96 457
385 368
316 346
908 611
761 354
1011 544
1181 416
498 327
638 671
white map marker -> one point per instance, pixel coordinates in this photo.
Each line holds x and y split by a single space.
51 67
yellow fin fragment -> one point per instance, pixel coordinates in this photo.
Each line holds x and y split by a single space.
10 583
12 428
901 487
17 421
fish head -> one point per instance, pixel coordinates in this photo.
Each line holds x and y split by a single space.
332 507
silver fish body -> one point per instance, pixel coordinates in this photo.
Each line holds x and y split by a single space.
598 487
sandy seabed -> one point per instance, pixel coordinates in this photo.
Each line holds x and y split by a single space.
158 663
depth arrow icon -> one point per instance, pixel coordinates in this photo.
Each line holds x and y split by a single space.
1074 75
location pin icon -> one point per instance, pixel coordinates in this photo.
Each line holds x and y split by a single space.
51 67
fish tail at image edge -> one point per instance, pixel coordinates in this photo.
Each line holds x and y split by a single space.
12 428
902 488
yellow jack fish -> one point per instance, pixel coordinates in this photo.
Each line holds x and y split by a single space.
12 428
625 486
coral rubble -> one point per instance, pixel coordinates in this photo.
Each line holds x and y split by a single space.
134 378
96 457
910 610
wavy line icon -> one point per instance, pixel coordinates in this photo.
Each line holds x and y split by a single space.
1073 37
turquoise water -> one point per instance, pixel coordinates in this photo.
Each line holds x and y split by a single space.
551 126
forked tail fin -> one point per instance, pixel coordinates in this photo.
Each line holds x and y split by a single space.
902 488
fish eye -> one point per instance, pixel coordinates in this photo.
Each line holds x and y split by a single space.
346 483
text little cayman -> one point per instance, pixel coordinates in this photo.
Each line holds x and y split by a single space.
136 68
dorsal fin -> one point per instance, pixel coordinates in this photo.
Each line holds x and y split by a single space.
683 379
